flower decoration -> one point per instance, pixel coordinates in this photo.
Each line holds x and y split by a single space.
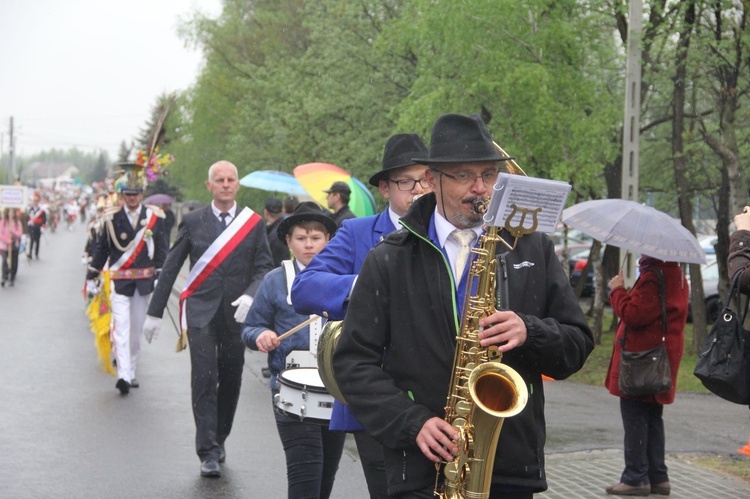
156 165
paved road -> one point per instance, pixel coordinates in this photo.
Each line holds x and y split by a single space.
66 432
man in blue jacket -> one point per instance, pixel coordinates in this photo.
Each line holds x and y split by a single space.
324 287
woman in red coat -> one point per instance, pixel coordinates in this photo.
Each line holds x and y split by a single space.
640 311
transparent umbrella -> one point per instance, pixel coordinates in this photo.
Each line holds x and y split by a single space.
635 227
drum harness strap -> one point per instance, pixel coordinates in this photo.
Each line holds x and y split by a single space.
316 327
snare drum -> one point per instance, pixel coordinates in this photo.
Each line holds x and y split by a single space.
303 396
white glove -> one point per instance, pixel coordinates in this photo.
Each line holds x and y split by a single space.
92 287
243 307
151 328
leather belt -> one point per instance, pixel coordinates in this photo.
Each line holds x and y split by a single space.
144 273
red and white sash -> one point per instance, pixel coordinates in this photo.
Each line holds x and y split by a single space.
37 217
215 255
127 259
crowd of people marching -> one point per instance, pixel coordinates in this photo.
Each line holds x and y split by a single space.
299 267
22 229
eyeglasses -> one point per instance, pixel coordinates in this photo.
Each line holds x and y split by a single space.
409 184
488 178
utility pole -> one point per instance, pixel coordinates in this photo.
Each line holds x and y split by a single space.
632 122
12 143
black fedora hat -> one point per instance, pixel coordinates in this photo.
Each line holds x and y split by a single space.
461 139
399 151
305 212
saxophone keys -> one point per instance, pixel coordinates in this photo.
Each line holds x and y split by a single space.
463 408
452 471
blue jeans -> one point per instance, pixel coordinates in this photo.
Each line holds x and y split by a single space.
312 456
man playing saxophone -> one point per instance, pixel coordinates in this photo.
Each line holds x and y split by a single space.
408 303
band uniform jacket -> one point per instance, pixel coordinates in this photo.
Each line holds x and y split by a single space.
241 272
105 249
32 214
405 302
323 286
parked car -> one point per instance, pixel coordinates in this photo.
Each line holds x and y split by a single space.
577 264
710 273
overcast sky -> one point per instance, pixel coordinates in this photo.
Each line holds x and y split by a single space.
86 73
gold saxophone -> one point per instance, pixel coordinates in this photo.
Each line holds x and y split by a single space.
483 391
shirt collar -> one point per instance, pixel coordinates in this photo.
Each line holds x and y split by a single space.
394 218
218 212
443 228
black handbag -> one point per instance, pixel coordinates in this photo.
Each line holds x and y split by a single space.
723 365
647 372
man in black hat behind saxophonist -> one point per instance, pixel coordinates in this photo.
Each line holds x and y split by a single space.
407 303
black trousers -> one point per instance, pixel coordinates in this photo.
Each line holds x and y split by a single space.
371 456
35 235
312 454
10 264
217 356
644 442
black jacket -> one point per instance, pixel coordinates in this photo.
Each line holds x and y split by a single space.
343 214
240 273
404 302
279 250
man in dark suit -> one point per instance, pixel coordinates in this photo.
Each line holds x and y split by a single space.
135 243
229 255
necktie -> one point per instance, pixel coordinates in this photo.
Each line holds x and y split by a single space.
134 216
223 221
465 239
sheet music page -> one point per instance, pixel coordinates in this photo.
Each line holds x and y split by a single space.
517 195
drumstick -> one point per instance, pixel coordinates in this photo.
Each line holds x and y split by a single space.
298 327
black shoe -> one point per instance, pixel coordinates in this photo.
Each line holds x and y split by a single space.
2 284
134 383
266 372
123 386
210 468
222 454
